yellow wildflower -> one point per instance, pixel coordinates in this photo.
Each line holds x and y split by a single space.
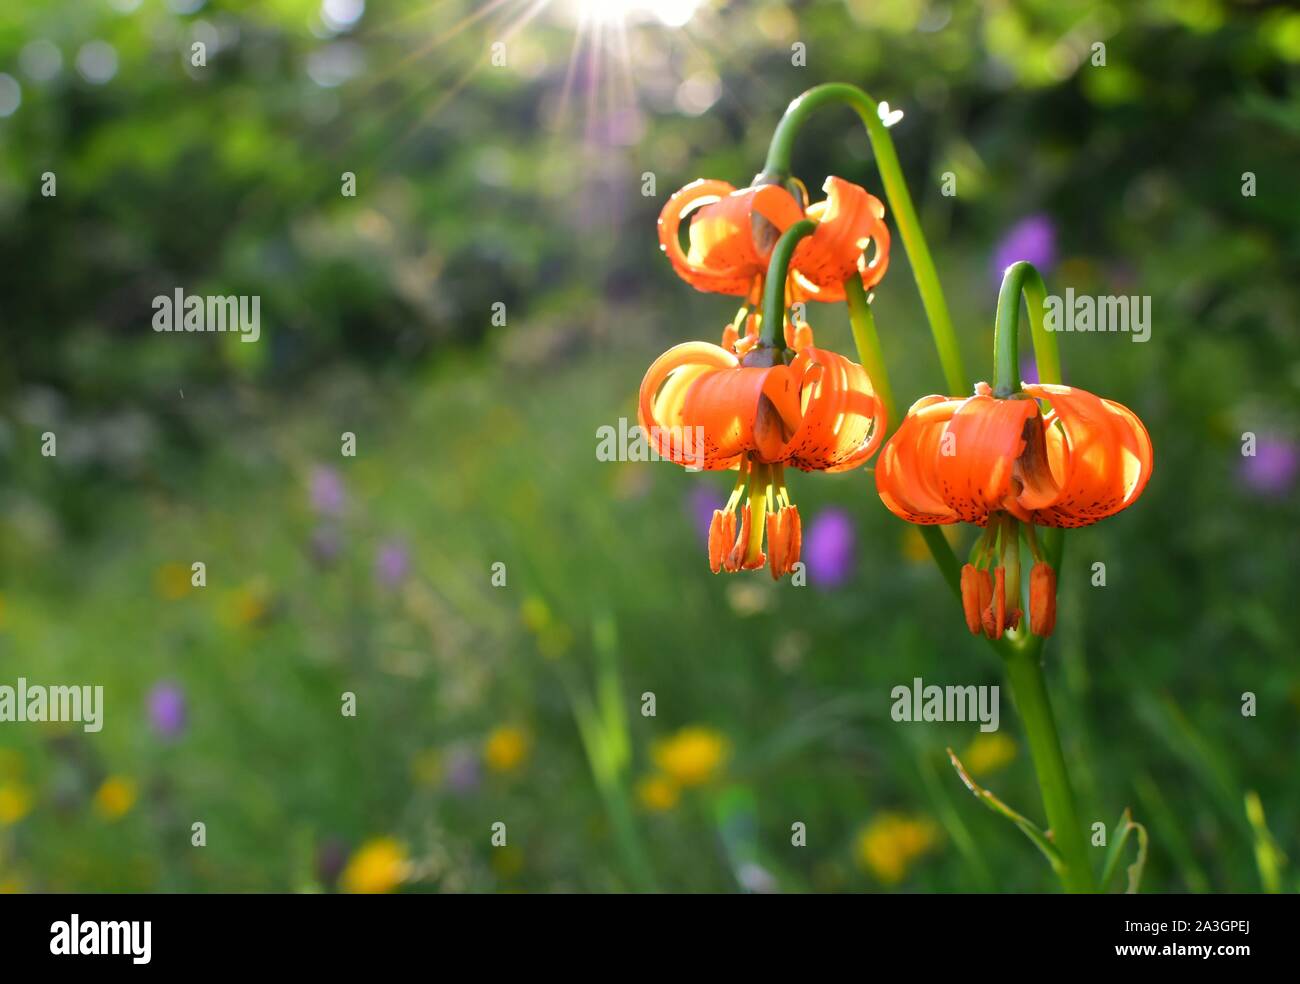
891 842
988 753
15 802
692 756
658 793
115 797
171 581
378 866
505 749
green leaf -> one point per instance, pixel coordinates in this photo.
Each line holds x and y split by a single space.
1027 826
1126 826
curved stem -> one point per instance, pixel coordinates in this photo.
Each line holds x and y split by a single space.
863 324
1022 278
777 168
778 268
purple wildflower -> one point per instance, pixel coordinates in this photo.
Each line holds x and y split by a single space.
701 503
167 709
1033 238
327 493
1272 469
829 548
392 563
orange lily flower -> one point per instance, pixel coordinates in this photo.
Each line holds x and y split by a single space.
732 233
757 414
1001 463
848 222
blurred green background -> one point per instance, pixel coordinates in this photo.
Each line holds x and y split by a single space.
521 184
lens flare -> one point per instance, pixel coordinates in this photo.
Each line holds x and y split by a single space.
670 13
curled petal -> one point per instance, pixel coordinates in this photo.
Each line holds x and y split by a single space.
905 472
662 400
849 221
743 409
1098 453
679 205
843 418
731 234
978 452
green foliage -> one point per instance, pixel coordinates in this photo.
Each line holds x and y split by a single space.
480 185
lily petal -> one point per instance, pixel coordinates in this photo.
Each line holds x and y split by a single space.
731 235
849 221
1098 451
905 472
662 400
978 452
843 418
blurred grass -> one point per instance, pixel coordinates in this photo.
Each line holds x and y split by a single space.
476 446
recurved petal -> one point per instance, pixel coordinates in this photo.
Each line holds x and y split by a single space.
731 234
679 205
1099 453
906 478
747 408
660 411
849 221
843 418
978 452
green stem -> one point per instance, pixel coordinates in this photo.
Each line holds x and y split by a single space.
1021 655
1022 278
1029 690
863 323
941 551
778 268
777 168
